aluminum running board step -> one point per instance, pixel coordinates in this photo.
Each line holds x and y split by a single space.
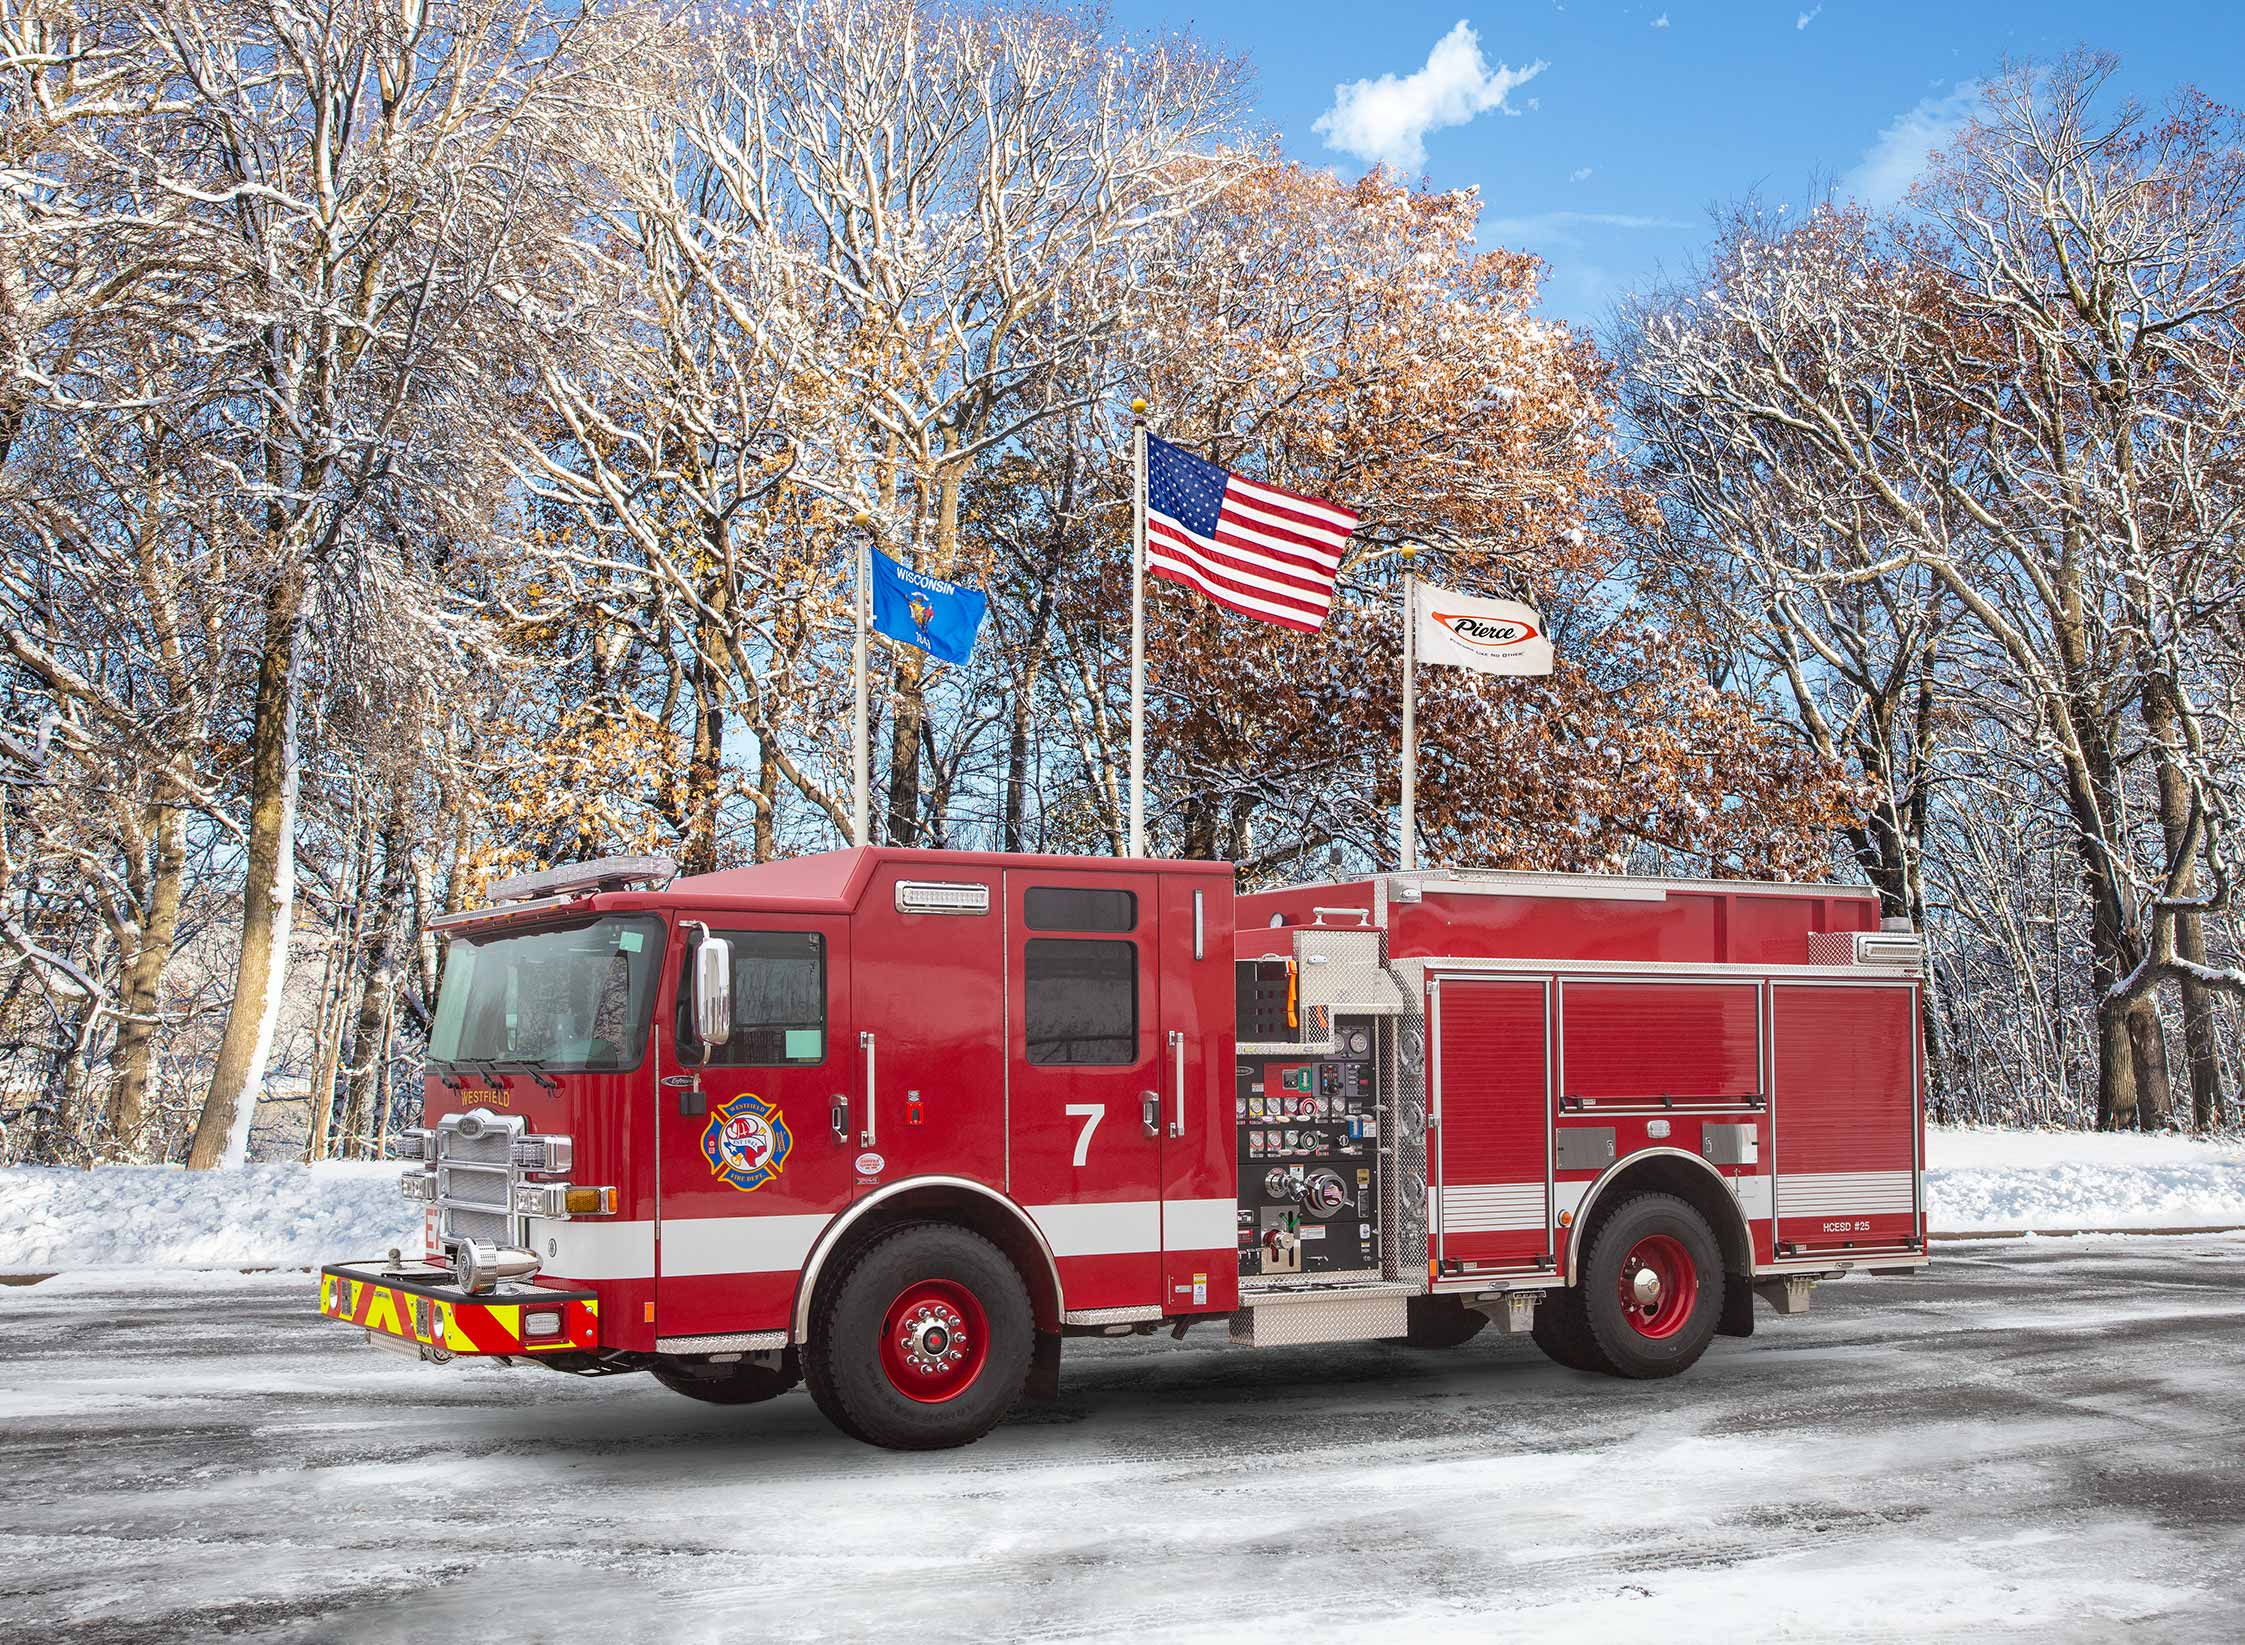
1342 1313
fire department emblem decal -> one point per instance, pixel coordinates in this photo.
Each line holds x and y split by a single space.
746 1142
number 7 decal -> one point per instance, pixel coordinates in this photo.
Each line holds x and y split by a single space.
1091 1113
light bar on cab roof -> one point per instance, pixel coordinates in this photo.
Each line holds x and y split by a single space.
601 874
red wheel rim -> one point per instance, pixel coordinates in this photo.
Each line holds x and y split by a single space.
934 1341
1659 1286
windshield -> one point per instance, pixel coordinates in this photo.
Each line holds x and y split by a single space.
561 997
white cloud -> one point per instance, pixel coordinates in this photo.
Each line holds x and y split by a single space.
1890 165
1808 17
1561 229
1386 120
1581 174
1661 21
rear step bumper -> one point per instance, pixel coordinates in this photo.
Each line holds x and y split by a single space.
418 1309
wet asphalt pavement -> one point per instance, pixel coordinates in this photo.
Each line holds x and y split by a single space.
2035 1441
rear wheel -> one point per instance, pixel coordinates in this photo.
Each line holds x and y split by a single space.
922 1341
741 1383
1651 1288
1439 1322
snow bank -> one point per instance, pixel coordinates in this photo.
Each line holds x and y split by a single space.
257 1216
295 1216
2074 1179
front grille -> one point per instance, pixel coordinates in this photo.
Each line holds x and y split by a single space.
474 1185
475 1177
494 1146
461 1223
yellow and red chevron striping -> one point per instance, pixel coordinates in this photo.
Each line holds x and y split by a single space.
457 1325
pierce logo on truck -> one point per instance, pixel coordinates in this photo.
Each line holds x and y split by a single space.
746 1142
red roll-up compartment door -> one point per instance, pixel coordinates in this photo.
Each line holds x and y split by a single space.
1844 1112
1490 1051
1693 1044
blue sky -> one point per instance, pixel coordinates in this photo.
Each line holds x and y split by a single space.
1606 159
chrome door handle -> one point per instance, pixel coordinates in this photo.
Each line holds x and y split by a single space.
866 1138
1149 1112
1177 1056
839 1117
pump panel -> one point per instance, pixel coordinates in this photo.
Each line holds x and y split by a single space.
1310 1158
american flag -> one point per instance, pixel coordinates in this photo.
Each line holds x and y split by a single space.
1250 547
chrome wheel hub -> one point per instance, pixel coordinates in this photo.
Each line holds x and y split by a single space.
932 1338
1644 1285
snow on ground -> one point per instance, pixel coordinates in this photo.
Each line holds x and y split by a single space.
290 1216
259 1216
1993 1179
2033 1444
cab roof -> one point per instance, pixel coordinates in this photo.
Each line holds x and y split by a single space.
835 881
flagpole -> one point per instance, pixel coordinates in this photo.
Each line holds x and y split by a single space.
1138 628
860 792
1410 851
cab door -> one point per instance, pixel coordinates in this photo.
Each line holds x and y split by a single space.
754 1145
1084 1077
1200 1142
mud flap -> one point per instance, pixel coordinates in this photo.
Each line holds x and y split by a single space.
1044 1367
1738 1307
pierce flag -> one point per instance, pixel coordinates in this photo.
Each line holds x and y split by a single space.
939 617
1492 636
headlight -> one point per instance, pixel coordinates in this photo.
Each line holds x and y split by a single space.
548 1156
420 1185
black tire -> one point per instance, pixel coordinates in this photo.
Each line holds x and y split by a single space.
1562 1331
844 1361
740 1383
1438 1322
1627 1350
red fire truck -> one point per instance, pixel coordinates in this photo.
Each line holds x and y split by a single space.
898 1123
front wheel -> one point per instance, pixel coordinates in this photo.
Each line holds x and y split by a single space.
923 1341
1652 1287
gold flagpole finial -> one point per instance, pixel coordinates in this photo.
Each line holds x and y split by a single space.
1138 408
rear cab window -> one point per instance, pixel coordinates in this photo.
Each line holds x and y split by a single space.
1080 994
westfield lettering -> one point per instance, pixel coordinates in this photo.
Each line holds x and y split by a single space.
1486 634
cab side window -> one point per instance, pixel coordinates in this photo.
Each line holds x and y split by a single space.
779 1002
1079 1001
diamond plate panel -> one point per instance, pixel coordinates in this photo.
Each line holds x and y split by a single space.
1277 1324
739 1342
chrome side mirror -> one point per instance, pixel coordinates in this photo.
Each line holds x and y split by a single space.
713 992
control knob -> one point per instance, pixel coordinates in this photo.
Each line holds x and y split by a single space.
1323 1193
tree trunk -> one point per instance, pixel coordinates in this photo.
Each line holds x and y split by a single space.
765 845
908 689
378 983
705 766
268 888
335 984
2201 1041
2147 1043
133 1059
2116 1074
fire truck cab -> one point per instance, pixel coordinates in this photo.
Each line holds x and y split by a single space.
897 1123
